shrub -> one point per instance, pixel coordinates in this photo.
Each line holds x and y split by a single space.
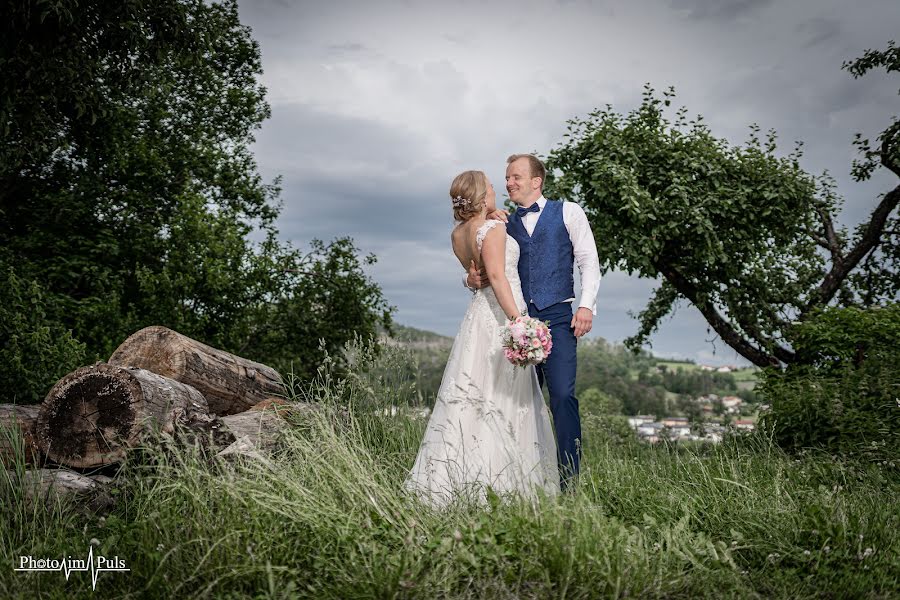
599 430
594 401
846 397
35 350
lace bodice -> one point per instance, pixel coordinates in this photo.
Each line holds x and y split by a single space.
511 270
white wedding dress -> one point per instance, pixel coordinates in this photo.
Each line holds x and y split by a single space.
490 426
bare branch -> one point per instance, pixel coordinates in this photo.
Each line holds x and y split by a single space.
819 240
868 240
728 334
833 244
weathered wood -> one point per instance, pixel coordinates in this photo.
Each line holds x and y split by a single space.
17 424
51 485
260 428
93 415
231 384
257 430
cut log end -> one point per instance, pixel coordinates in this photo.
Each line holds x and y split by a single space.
89 416
93 415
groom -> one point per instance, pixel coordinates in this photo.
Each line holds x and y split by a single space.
553 236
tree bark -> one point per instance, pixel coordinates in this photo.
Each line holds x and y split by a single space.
93 415
231 384
18 421
728 333
258 428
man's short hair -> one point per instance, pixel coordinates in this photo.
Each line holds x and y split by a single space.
534 164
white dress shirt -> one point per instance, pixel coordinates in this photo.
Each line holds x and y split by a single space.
583 245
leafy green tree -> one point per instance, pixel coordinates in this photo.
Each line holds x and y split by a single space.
129 190
690 408
118 118
329 301
878 276
742 233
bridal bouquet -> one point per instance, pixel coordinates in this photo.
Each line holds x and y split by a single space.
526 341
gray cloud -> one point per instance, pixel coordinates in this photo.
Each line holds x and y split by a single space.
723 10
371 120
346 48
819 30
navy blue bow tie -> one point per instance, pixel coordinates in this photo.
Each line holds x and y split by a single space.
521 212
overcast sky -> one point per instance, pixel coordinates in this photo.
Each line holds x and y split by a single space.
376 106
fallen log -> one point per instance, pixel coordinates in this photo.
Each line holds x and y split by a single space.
231 384
258 428
93 415
52 485
256 431
17 432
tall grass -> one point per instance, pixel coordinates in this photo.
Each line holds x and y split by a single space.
326 519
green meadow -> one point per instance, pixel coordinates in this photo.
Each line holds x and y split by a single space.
324 517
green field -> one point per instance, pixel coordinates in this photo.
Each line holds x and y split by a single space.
325 518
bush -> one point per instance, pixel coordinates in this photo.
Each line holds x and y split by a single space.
599 430
846 398
593 401
36 351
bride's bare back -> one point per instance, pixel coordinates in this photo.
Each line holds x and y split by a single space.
465 246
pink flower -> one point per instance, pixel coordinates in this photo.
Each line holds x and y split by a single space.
526 341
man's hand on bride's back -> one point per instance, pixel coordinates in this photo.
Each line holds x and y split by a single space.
499 215
477 278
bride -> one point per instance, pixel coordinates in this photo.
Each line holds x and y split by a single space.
490 426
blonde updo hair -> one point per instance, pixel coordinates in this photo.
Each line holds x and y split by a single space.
471 187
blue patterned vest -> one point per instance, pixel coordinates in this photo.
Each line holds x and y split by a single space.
546 259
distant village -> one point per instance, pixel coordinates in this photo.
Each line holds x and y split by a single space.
722 369
709 417
719 414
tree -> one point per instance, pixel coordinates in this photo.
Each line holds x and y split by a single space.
743 234
843 396
120 121
328 302
129 191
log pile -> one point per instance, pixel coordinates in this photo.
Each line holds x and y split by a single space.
157 382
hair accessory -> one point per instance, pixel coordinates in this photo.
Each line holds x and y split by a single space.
459 202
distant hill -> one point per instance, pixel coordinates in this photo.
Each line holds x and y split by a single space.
418 339
645 383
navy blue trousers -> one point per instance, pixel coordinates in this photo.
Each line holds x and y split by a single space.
559 373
